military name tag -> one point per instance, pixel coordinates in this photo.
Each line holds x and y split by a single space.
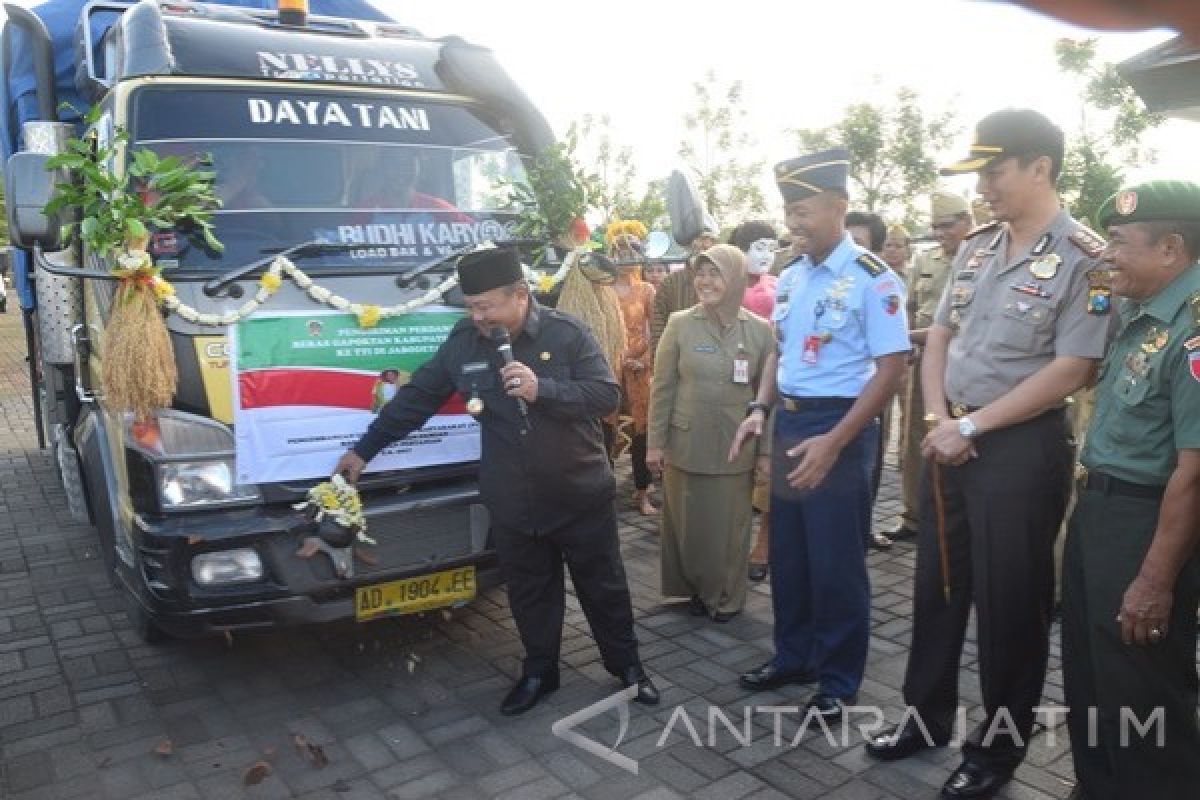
705 348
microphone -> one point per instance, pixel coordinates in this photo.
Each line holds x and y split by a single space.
499 335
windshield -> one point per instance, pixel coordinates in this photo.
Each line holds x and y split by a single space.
409 180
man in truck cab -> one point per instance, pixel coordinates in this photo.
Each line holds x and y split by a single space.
544 474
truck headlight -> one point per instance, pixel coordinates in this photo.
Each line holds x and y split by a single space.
187 484
227 566
186 460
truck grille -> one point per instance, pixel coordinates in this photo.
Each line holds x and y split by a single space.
416 538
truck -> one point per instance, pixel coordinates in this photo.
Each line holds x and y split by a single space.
367 154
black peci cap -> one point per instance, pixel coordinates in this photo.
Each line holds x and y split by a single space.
483 270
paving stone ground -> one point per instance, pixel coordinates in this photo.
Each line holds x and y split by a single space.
407 708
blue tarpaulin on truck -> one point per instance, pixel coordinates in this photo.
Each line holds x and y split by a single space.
61 17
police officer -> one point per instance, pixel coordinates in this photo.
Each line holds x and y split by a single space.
950 221
843 341
1131 577
543 474
1015 333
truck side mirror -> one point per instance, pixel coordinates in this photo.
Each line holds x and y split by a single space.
28 186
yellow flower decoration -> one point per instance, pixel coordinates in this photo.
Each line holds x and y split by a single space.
270 281
162 289
545 283
370 316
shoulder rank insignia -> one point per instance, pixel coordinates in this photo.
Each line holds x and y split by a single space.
1088 241
1194 302
873 264
984 228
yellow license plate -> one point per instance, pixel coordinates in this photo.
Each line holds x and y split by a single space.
413 595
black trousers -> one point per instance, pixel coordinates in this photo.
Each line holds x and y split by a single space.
1106 542
1002 514
532 566
637 452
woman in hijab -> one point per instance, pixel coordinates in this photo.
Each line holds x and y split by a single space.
706 370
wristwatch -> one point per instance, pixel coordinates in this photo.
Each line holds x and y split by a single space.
754 405
966 428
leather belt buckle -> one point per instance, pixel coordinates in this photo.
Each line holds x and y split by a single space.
959 410
790 404
1081 475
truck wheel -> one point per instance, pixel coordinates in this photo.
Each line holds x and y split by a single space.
143 627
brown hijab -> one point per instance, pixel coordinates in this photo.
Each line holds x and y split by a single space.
731 261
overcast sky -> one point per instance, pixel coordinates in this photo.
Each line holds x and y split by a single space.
801 63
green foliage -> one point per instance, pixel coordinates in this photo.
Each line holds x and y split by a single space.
557 192
1112 122
153 192
892 153
615 173
716 140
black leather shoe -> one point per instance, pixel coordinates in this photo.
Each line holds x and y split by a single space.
768 677
757 573
696 607
724 616
647 693
974 780
902 532
526 694
825 706
880 541
900 742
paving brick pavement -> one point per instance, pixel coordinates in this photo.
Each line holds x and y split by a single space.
407 708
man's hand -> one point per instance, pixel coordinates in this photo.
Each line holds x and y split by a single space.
817 456
946 445
350 466
751 426
519 381
655 459
1145 609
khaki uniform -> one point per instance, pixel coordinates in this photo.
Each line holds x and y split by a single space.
926 282
677 292
1147 410
1012 313
695 410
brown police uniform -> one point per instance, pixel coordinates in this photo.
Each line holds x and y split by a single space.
1012 314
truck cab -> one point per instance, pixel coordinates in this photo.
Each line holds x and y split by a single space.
370 155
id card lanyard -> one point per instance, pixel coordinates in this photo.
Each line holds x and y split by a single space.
741 362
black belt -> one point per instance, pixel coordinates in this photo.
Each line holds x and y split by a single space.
958 410
1107 484
790 403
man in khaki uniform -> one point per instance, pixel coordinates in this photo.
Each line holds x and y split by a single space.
951 221
1131 580
1018 329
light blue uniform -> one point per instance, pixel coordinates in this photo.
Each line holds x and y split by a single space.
855 316
852 306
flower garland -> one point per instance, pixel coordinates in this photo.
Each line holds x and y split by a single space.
368 314
546 283
339 500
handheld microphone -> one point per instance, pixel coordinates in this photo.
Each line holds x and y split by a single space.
499 335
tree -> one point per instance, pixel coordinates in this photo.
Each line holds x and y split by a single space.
713 150
1112 119
892 152
614 175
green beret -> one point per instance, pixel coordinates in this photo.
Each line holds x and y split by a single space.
1152 201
